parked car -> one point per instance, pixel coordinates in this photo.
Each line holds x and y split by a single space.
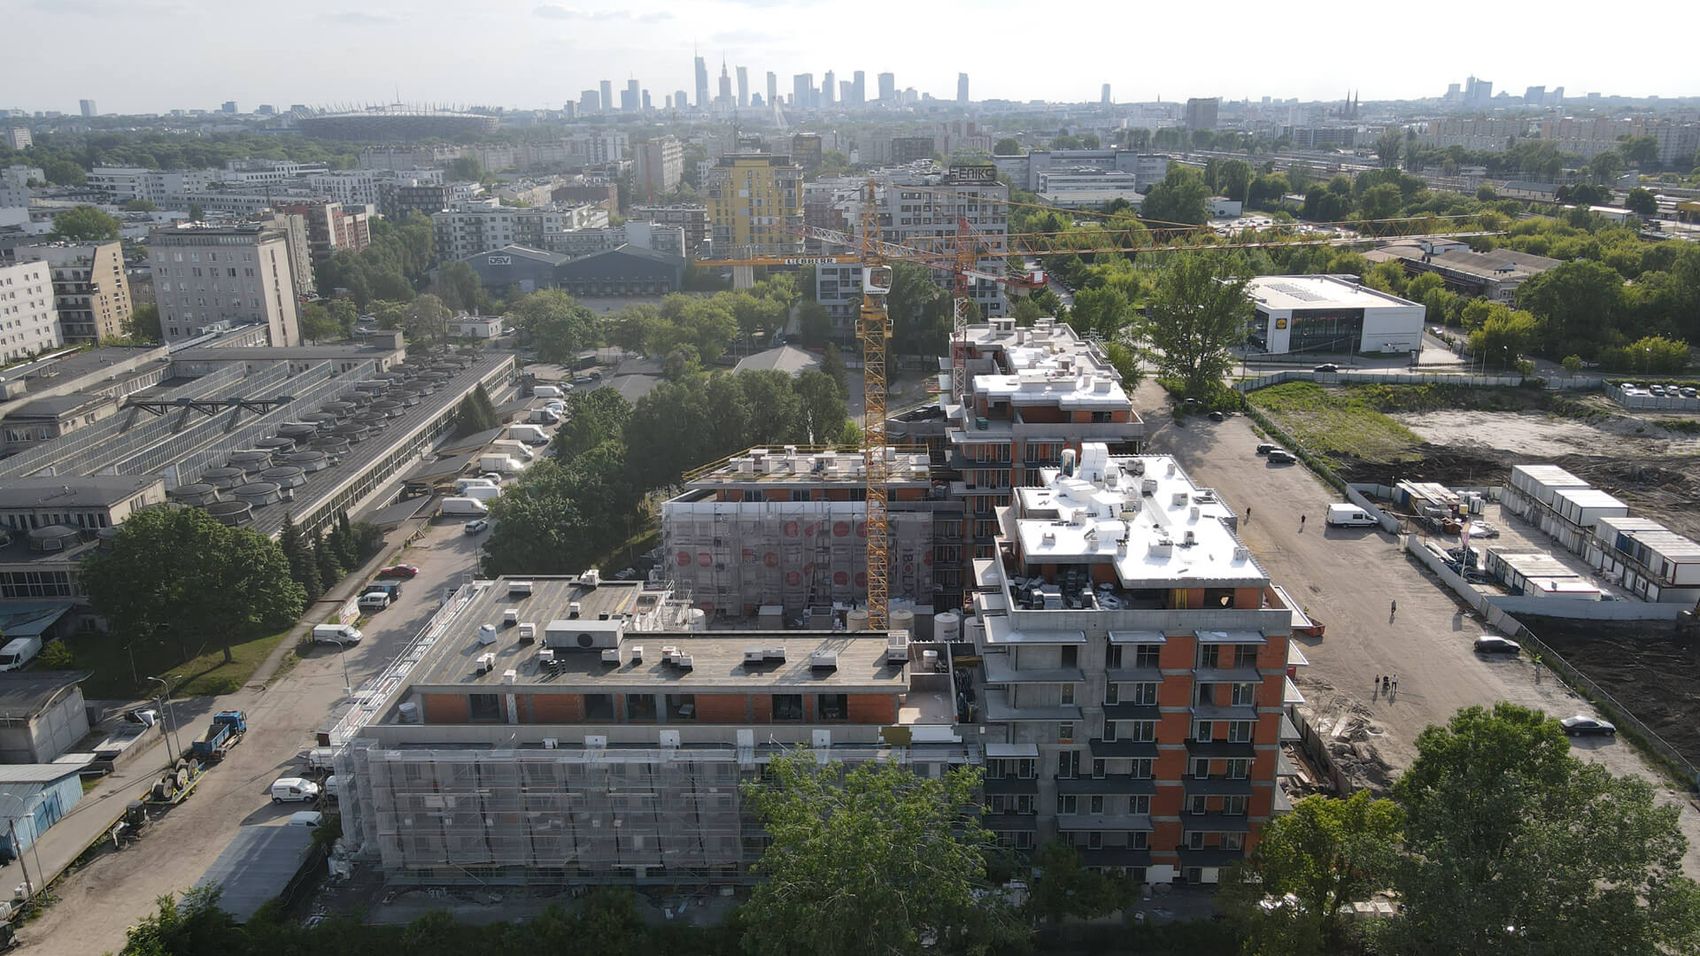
1281 456
1582 725
1688 391
477 526
336 634
493 476
1264 448
1326 367
1492 644
1656 389
294 790
399 571
374 600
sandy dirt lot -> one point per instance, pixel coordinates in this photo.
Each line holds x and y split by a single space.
1549 436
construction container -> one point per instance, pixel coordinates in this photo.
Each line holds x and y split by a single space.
1540 481
1585 506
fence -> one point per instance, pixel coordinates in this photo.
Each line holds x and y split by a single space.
1378 377
1502 620
1644 400
1355 494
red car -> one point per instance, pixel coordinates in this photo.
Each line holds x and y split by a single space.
398 571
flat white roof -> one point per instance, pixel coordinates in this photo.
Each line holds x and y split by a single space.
1588 498
1320 292
1054 388
1141 513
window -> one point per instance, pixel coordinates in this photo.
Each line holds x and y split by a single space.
1068 803
681 707
1113 656
484 708
1070 656
1201 731
1140 839
1067 694
1009 769
1233 841
1109 730
1112 693
1245 655
1140 768
1200 767
1096 805
1239 768
1143 694
832 707
1139 803
1068 764
1196 804
1094 840
1234 806
1099 766
640 707
1065 730
1144 731
1240 731
1195 839
1218 597
787 706
598 707
1145 655
1244 695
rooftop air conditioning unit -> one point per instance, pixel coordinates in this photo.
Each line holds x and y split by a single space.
574 609
669 651
546 656
486 634
1242 554
550 743
1191 538
1194 513
486 663
637 653
611 655
1049 537
527 632
519 589
682 661
1148 487
776 654
583 635
823 660
591 578
510 617
754 655
669 739
510 676
1179 498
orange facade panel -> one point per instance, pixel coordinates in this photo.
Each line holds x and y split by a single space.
872 708
722 708
445 708
551 708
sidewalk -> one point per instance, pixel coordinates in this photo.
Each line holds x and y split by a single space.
87 822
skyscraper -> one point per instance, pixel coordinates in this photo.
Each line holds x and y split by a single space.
859 89
702 84
1104 96
631 98
828 87
680 100
743 86
802 91
772 88
1201 112
607 96
87 107
888 88
589 102
724 100
962 88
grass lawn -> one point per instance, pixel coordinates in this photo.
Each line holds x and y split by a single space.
1337 422
205 674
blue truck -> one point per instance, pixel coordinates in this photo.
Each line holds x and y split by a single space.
226 731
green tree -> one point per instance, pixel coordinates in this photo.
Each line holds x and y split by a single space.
1124 359
1504 336
814 323
1388 146
1008 146
1233 179
1198 310
870 859
1642 202
465 169
460 289
1104 310
476 413
1061 887
194 927
319 323
140 205
85 224
1181 198
299 554
326 562
593 417
1649 355
1515 846
832 365
1641 152
197 213
143 323
61 172
920 311
821 405
181 571
538 526
1605 167
1327 853
1578 305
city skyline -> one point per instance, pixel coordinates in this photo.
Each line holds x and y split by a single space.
555 50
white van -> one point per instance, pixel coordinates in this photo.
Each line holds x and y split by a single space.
1350 516
374 600
306 818
294 790
462 484
18 652
336 633
547 391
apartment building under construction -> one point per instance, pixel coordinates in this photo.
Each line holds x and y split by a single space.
786 527
1133 671
571 730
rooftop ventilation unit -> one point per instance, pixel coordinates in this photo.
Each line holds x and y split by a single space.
823 661
1241 554
583 635
682 661
519 589
550 743
510 676
527 632
486 663
1191 538
486 634
755 655
574 609
1148 487
669 739
1179 498
1195 512
510 617
1048 538
637 654
1163 545
591 578
611 655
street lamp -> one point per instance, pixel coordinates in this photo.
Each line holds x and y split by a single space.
347 688
170 720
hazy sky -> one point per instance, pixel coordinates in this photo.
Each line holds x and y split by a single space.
153 55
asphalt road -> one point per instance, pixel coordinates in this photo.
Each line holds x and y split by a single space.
98 903
1348 579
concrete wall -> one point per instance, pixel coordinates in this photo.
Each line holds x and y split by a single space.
1356 497
1589 610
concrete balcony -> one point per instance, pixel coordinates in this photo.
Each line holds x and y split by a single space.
998 706
1103 821
1109 783
999 671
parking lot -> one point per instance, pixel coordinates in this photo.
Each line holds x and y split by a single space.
96 904
1350 579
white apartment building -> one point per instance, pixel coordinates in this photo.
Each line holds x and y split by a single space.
660 164
15 184
206 276
161 187
29 323
91 292
468 228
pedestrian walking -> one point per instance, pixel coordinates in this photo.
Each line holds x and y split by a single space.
1248 516
1376 687
1302 522
1396 684
1392 610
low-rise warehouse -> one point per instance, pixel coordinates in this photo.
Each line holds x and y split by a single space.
1330 314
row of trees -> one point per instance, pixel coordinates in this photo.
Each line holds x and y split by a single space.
394 267
572 506
66 158
317 562
1496 840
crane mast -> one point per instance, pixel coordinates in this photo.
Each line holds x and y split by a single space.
873 328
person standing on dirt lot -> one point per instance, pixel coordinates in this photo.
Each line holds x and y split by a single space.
1392 610
1302 522
1248 516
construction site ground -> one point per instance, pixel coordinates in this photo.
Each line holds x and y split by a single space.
1348 579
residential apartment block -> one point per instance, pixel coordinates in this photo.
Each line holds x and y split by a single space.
29 323
786 527
1133 672
692 219
755 204
556 730
332 226
90 291
475 226
660 163
210 275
